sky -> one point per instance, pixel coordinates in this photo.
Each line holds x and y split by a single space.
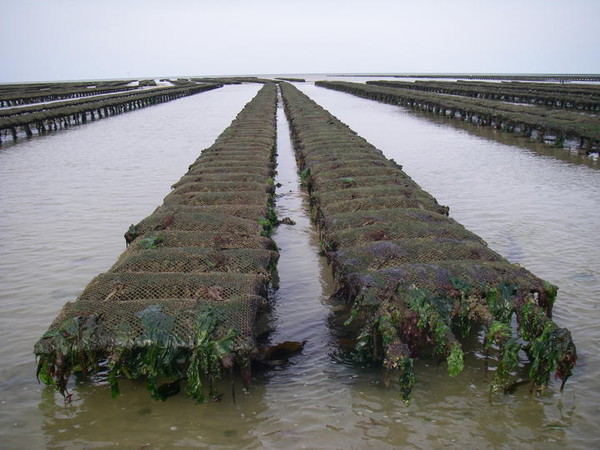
48 40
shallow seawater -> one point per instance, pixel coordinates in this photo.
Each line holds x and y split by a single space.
66 199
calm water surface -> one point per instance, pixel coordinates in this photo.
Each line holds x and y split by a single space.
66 199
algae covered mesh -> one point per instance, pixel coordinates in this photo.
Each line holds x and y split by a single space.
181 302
416 280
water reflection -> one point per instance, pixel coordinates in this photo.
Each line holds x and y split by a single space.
94 419
563 154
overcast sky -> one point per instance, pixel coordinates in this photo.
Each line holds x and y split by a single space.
98 39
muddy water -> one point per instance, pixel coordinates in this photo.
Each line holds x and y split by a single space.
304 400
67 198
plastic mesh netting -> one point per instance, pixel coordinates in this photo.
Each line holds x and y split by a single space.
122 287
176 219
113 328
208 240
224 186
196 260
227 177
361 227
339 183
387 254
204 198
391 202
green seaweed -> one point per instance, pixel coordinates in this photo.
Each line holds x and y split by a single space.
131 233
500 334
559 142
549 297
406 378
67 350
455 360
432 316
380 343
550 348
207 353
153 358
151 242
268 223
499 302
353 313
546 352
304 176
162 356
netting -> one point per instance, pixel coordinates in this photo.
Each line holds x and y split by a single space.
332 156
361 227
412 275
223 186
257 169
257 161
360 181
332 172
445 280
204 198
181 302
386 216
196 260
112 329
241 177
391 202
387 254
220 240
358 165
122 287
407 190
220 157
251 213
192 221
